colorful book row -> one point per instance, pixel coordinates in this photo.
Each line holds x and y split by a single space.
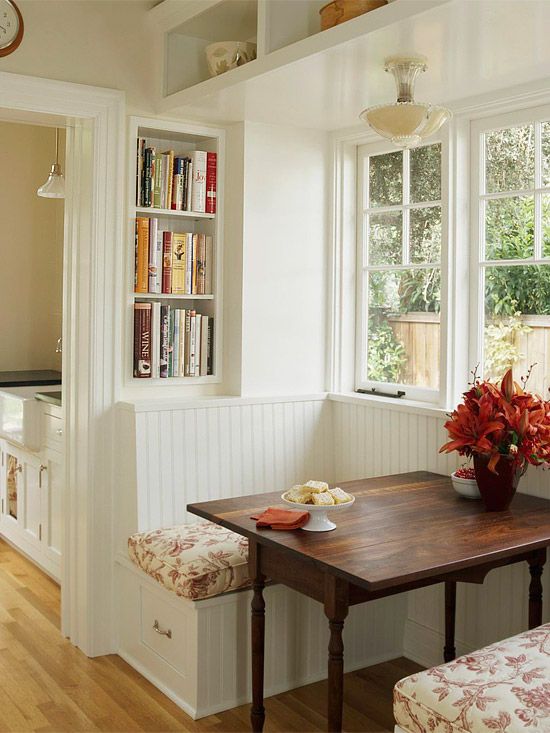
177 263
171 342
180 183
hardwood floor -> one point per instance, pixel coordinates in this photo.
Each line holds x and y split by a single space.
46 685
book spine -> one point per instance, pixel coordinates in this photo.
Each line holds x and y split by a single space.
171 342
148 176
204 346
155 340
181 367
177 192
142 266
189 186
139 170
210 361
192 344
155 253
157 180
185 183
198 188
211 182
178 263
176 345
164 340
201 264
209 265
166 262
188 263
193 290
198 320
169 178
142 340
164 181
187 342
135 255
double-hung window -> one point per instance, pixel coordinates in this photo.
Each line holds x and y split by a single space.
400 242
510 325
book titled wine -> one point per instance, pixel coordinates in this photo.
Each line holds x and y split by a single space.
142 340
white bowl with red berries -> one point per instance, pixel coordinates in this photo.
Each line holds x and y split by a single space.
464 482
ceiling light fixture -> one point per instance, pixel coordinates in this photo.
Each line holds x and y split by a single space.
54 188
406 122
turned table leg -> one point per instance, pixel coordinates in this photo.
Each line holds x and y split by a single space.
449 651
536 566
257 712
336 610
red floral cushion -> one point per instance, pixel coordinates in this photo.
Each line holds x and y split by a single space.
504 687
193 560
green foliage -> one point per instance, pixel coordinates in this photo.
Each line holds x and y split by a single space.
386 354
501 346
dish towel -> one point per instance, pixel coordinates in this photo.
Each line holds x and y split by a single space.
281 518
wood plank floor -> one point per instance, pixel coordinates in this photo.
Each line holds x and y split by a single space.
46 685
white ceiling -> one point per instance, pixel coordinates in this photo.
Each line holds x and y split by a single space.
473 47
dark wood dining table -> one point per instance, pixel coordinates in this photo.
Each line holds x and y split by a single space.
403 532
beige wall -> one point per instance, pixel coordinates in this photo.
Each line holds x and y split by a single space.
98 42
31 251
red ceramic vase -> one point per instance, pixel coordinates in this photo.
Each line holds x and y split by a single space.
497 489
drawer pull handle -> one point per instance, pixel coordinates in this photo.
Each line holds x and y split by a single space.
157 628
59 431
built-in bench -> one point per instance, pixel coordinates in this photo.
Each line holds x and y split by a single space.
504 687
184 621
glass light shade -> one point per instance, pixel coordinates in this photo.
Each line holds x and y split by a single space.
54 188
405 123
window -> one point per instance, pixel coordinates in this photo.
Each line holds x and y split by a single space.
511 237
400 276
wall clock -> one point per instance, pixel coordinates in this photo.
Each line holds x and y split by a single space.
11 27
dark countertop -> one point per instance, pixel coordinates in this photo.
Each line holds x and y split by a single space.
53 398
34 378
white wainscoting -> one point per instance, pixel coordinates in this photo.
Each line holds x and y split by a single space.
372 440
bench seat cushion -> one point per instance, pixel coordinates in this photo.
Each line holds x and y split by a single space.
504 687
193 560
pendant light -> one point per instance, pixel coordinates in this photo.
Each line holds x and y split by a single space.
406 122
54 188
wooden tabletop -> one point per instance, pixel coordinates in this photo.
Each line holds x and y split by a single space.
401 529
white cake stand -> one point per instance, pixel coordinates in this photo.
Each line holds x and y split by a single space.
318 515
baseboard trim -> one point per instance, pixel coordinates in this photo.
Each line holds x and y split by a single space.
424 645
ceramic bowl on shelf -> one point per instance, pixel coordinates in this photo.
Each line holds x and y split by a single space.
225 55
318 515
466 487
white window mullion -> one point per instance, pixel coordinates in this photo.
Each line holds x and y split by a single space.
406 213
538 196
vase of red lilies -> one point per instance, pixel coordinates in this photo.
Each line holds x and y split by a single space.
504 429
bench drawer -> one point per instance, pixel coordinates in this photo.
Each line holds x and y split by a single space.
163 630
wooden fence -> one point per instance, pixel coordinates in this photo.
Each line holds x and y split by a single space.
420 335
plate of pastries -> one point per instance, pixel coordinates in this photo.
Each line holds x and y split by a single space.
317 498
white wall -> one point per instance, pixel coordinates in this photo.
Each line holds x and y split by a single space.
88 42
31 251
284 260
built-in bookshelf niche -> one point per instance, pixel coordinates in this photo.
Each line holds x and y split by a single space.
175 236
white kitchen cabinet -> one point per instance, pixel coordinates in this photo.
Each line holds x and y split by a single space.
31 508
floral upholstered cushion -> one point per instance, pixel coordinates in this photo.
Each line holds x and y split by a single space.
193 560
504 687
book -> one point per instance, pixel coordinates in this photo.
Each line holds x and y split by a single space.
201 264
188 201
181 349
157 194
211 182
178 263
192 343
166 262
187 341
169 178
142 255
155 340
198 186
139 170
210 347
155 257
164 340
193 290
176 345
209 265
204 347
171 342
142 340
188 263
147 176
198 319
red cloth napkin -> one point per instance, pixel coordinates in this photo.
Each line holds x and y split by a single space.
281 518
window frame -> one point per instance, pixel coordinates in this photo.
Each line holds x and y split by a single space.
363 151
478 262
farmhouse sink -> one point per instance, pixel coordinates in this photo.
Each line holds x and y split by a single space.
20 415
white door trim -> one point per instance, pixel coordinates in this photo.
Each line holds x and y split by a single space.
93 307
